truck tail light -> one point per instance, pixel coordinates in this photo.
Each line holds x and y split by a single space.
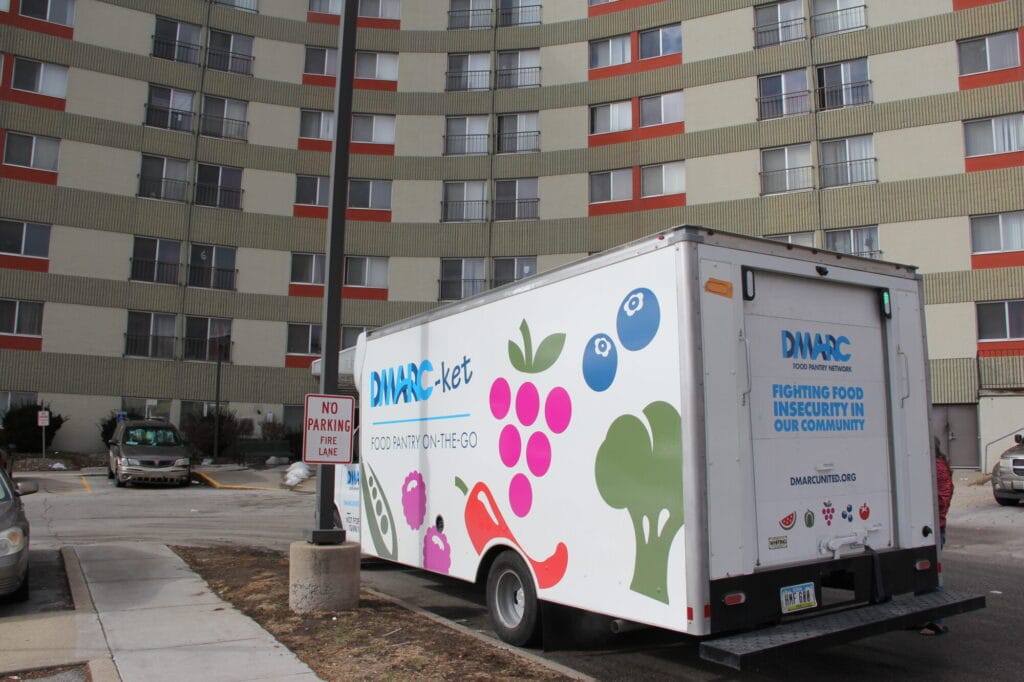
735 599
923 565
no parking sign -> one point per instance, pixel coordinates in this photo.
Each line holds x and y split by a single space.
327 429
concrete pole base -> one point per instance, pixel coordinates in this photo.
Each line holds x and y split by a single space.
323 577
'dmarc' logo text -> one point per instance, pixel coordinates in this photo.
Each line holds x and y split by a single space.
412 382
815 346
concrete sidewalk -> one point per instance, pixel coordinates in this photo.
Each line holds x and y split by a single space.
141 614
237 477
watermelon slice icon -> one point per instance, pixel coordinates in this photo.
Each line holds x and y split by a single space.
788 521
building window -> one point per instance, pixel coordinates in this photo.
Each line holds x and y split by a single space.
39 77
163 178
224 117
464 200
786 169
219 186
24 239
155 260
373 128
350 334
304 339
783 94
997 232
169 108
470 71
661 109
469 14
212 267
465 135
374 194
999 135
11 399
316 125
307 268
54 11
518 12
990 53
663 178
313 190
611 118
510 269
176 40
779 22
322 61
856 241
516 199
1001 321
380 9
207 339
31 151
798 238
518 133
614 185
149 335
325 6
376 65
659 42
609 52
150 408
229 52
848 161
24 318
844 84
244 5
836 16
518 69
461 277
366 271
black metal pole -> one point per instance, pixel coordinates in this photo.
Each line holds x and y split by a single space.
324 532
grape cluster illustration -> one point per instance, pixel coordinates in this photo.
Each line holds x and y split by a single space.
636 323
828 512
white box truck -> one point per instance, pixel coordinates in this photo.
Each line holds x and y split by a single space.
697 431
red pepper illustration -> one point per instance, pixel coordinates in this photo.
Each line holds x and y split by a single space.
484 523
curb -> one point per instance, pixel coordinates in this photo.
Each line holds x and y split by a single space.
206 479
99 669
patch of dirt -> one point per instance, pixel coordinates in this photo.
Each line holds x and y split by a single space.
72 673
71 461
378 641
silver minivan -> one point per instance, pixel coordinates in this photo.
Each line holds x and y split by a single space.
1008 474
148 451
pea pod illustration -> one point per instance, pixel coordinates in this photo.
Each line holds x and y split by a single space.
379 519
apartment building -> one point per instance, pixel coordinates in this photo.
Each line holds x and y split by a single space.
165 175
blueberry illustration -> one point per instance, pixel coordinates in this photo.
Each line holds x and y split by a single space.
600 360
638 319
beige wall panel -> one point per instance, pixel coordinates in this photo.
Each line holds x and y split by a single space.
998 416
89 330
554 260
101 95
951 330
98 169
90 253
425 15
918 72
267 192
556 11
263 272
563 196
422 72
562 64
278 61
296 11
413 279
727 177
258 343
718 35
419 135
922 152
564 128
937 245
273 125
100 23
415 201
881 13
721 104
83 412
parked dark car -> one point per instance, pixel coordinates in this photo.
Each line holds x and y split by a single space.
148 451
14 537
1008 474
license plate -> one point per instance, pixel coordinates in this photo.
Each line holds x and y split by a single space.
798 597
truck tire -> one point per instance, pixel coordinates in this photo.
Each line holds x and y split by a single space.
512 600
22 593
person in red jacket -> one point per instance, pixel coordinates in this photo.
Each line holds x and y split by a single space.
944 491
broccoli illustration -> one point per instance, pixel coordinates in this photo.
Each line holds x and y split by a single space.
641 471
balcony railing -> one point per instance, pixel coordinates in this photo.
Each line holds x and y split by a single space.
524 15
788 104
787 180
1000 369
781 32
469 18
522 77
206 349
458 145
175 50
211 278
463 211
516 209
149 346
219 196
172 119
848 172
162 272
218 126
467 80
838 21
457 289
525 141
163 188
844 95
244 5
235 62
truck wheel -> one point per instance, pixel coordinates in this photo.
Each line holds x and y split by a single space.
512 600
22 593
